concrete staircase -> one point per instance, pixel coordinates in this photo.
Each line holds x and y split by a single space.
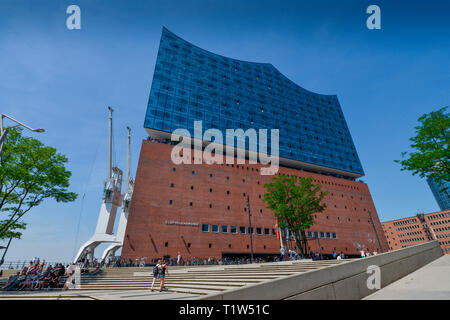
199 280
290 280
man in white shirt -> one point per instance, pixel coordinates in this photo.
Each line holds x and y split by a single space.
70 269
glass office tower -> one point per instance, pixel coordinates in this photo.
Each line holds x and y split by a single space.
441 193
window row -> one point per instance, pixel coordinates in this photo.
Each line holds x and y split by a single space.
402 222
439 216
214 228
316 234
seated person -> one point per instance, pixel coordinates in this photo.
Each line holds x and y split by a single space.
97 270
26 284
54 280
12 280
19 280
44 279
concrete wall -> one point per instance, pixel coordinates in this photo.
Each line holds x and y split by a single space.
6 273
347 280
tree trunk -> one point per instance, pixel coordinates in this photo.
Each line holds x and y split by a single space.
305 242
298 241
284 241
302 243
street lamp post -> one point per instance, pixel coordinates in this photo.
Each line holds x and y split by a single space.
320 248
250 229
4 131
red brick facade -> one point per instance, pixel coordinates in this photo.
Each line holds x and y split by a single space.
405 232
171 203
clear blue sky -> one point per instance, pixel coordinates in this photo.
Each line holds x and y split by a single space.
63 81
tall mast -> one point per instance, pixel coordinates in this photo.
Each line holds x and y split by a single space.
127 177
110 143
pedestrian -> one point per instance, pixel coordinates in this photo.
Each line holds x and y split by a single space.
162 274
282 252
70 279
156 273
334 254
178 258
362 253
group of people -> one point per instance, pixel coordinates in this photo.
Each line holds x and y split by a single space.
112 262
160 270
339 256
367 253
293 255
36 276
290 254
197 261
176 261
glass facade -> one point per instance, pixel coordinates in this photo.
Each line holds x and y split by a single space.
191 84
441 193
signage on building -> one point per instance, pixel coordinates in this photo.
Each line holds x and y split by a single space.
178 223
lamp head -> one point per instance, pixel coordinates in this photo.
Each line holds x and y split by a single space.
39 130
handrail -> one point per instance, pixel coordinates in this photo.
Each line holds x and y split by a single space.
21 264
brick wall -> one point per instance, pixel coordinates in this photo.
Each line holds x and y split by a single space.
216 194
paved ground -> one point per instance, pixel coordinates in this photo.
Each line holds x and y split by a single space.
431 282
96 295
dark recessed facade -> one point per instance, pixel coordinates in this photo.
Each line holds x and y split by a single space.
191 84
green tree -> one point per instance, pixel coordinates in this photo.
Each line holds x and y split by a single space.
431 157
294 202
29 173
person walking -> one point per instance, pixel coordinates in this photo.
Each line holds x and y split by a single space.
70 276
362 253
156 273
162 274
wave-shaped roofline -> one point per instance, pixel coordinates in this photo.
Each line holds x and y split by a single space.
251 62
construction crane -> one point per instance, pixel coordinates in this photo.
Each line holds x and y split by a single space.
112 199
111 250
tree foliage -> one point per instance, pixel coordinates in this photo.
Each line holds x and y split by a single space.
431 157
294 202
29 173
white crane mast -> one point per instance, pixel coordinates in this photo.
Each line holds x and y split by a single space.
111 250
112 199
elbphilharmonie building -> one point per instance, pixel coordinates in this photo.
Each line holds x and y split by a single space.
200 210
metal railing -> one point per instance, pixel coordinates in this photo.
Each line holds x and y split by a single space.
21 264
